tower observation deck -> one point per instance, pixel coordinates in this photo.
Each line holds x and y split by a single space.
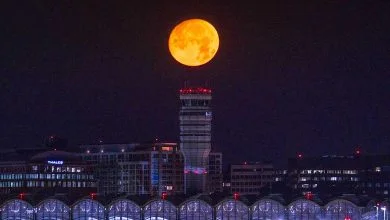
195 136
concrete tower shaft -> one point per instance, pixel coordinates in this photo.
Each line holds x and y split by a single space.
195 136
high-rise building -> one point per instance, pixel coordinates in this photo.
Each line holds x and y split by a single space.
135 169
195 136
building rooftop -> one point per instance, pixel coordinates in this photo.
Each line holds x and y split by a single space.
195 90
55 156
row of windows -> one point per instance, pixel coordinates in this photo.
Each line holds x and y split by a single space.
186 113
376 184
329 171
58 169
331 178
253 184
19 184
248 177
127 157
252 169
246 189
45 176
195 102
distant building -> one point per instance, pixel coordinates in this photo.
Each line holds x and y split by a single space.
215 175
280 176
48 173
195 136
135 169
249 178
331 174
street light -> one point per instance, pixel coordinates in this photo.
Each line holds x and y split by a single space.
384 212
377 209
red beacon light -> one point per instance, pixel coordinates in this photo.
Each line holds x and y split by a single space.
236 196
358 151
164 195
93 195
21 196
309 196
300 156
199 90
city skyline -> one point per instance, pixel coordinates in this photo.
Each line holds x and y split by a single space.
287 78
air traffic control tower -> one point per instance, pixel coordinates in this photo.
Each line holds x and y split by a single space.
195 136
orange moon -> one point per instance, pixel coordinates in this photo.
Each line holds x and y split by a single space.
193 42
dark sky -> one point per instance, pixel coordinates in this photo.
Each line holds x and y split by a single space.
288 77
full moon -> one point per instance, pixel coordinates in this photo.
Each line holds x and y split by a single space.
193 42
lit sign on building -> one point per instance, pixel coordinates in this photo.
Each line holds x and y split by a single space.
167 148
57 162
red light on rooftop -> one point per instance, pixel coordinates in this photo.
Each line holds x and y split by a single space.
93 195
236 196
164 195
300 156
357 151
21 195
309 196
199 90
347 218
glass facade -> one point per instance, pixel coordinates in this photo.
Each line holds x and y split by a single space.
341 209
53 177
52 209
196 210
304 209
124 209
232 210
192 209
159 210
17 210
88 209
267 209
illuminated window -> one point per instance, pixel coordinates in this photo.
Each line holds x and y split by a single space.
305 186
167 148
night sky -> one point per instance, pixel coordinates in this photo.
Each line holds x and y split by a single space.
288 78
